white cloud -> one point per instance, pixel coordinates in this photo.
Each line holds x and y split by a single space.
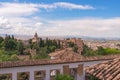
17 9
81 27
4 23
86 27
15 21
25 9
65 5
72 6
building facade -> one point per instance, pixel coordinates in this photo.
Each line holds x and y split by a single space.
48 69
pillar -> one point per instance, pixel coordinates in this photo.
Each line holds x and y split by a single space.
80 72
14 76
66 69
31 75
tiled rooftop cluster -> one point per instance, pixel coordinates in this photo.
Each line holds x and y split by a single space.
106 71
55 61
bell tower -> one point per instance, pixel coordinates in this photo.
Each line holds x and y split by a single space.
35 38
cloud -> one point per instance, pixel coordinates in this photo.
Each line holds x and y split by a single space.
72 6
4 23
25 9
17 9
18 20
65 5
93 27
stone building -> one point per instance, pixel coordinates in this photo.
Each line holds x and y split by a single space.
77 41
35 39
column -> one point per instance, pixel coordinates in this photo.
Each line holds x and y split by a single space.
80 71
14 76
47 77
31 75
66 69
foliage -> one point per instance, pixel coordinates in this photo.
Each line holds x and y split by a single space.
88 51
20 47
10 43
63 77
41 54
14 58
75 49
100 51
92 78
1 39
71 44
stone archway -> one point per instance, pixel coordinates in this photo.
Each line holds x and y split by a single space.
39 75
23 75
7 76
53 73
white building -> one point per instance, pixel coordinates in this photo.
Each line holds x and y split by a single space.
48 69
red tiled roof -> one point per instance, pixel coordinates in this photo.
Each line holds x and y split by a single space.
108 70
66 54
55 61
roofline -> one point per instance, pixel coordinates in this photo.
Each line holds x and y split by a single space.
11 64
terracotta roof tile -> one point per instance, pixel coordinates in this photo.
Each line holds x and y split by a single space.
108 70
66 58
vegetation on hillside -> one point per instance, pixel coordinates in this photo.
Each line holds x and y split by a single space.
87 51
10 47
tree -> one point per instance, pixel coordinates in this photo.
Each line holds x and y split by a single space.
101 51
30 41
87 51
9 43
14 58
75 49
1 39
71 44
63 77
20 47
41 43
1 42
59 46
13 37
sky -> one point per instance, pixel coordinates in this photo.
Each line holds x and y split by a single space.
92 18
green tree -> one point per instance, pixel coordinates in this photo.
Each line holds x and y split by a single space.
1 39
71 44
87 51
30 41
20 47
58 46
63 77
14 58
101 51
41 43
75 49
9 43
1 42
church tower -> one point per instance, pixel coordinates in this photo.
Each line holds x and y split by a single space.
35 39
